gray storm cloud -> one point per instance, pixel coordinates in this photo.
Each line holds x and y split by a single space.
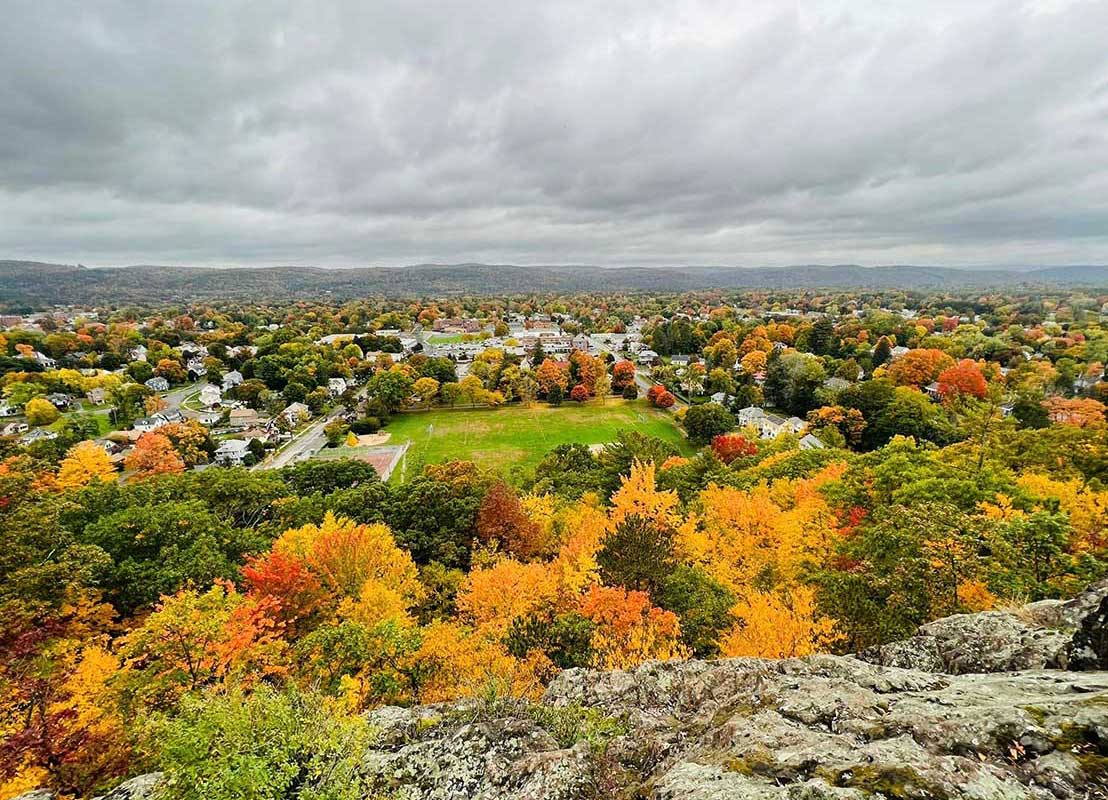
359 133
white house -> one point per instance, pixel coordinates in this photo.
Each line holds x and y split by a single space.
138 353
231 380
769 426
15 428
97 395
196 367
811 442
44 360
336 386
7 410
792 425
232 452
210 395
157 384
295 413
647 356
39 435
147 424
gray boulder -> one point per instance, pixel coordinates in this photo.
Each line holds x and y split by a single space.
1037 636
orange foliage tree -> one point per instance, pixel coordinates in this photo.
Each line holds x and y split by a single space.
552 373
629 630
494 597
623 374
964 379
919 367
153 454
1081 412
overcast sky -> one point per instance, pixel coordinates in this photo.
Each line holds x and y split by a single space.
374 132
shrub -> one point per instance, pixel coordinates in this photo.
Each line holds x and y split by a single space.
366 425
266 745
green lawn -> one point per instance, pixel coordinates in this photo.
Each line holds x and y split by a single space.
517 436
445 338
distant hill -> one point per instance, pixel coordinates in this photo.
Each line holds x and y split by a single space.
34 284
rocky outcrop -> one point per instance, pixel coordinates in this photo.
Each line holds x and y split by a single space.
1089 647
974 706
1050 634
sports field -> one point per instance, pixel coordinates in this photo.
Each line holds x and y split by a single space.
520 436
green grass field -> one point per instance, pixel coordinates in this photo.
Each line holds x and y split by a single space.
517 436
445 338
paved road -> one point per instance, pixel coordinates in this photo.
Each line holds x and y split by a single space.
175 398
306 444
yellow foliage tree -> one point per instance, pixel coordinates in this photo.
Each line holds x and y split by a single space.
1086 508
492 598
778 625
452 662
84 463
575 567
741 536
638 496
344 555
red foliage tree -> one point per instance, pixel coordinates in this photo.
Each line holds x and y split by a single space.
729 446
285 579
501 519
579 393
660 397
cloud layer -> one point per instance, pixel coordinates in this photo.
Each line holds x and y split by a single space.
388 132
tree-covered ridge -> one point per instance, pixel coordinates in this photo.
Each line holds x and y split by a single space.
24 282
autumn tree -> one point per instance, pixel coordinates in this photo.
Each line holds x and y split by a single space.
552 373
40 411
623 374
493 598
778 625
502 521
1080 412
195 639
730 446
189 439
660 397
964 379
847 421
427 389
153 454
629 630
171 370
84 463
919 367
